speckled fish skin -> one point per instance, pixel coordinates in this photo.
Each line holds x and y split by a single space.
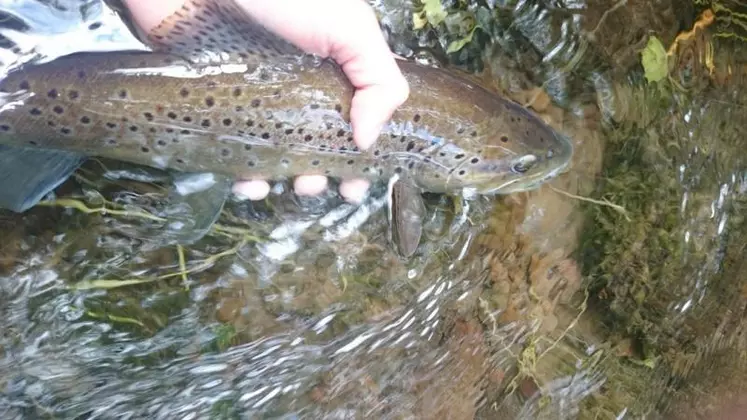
270 113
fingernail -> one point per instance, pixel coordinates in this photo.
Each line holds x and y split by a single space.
252 190
310 184
354 190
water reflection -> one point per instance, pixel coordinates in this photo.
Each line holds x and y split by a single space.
538 306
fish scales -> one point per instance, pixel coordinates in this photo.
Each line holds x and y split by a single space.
270 113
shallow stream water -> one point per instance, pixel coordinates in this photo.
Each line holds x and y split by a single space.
535 305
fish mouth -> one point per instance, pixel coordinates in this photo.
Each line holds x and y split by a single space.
524 183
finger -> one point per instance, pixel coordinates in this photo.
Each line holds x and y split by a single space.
253 190
148 13
354 190
352 37
310 184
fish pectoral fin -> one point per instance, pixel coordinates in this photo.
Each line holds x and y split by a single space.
196 200
407 215
27 175
219 32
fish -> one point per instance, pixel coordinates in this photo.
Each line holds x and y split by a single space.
218 93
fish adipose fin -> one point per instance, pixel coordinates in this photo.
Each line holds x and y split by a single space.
28 175
219 32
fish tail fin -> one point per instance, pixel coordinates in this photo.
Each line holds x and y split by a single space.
26 175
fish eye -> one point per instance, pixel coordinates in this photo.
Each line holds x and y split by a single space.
523 164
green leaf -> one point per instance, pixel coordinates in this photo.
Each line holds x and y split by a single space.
654 60
457 45
433 13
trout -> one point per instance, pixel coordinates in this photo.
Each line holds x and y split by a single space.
219 93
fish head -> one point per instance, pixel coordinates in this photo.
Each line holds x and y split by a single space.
519 154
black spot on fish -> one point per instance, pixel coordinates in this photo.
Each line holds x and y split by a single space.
398 170
35 111
459 156
133 128
33 143
175 140
205 123
278 125
73 95
4 127
148 116
255 103
85 120
169 130
473 134
402 139
161 142
51 123
58 109
227 122
410 146
187 119
247 147
288 131
513 119
236 92
341 133
171 115
111 125
350 139
239 108
94 26
366 170
209 101
314 106
180 161
184 92
52 94
308 137
442 154
152 129
249 123
416 118
300 131
185 131
462 172
504 139
542 139
24 85
376 152
225 152
111 142
123 94
276 94
265 136
145 149
65 130
338 108
351 161
411 165
251 163
284 161
315 162
475 160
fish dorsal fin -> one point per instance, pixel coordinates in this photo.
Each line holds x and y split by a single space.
219 32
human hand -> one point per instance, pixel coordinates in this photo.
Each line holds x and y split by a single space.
344 30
